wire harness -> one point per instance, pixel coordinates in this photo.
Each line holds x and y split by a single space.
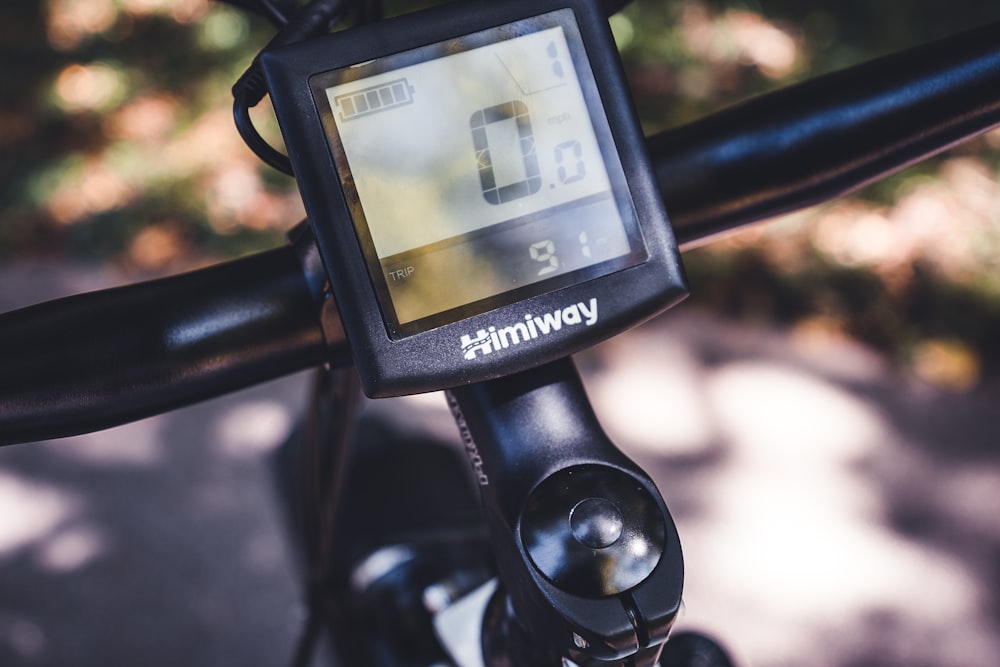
314 18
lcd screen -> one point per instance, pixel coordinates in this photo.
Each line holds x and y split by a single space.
479 171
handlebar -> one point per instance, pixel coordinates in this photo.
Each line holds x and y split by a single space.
96 360
88 362
828 136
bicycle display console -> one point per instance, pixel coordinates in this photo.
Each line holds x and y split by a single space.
478 186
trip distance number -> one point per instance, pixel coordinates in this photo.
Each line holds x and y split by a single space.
544 252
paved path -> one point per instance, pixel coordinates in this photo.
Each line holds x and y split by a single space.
832 512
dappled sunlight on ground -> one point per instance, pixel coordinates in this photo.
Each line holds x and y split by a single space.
833 513
253 428
771 459
139 445
31 511
795 536
168 526
656 411
71 549
181 545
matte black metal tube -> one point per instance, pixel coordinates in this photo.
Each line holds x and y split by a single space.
87 362
828 136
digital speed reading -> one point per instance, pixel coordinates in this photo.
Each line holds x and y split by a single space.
477 174
484 122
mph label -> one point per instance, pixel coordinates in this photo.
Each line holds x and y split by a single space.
493 338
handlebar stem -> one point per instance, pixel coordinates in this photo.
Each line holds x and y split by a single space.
585 545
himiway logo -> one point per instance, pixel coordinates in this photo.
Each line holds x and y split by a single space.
487 341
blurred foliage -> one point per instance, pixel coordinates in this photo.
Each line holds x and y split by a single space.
116 144
116 138
908 265
689 57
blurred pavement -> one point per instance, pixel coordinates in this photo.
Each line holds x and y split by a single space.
832 512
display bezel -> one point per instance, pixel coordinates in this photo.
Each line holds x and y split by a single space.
359 73
433 359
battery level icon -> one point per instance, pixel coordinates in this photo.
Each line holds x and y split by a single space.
374 99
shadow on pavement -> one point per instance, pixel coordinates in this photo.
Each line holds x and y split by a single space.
833 513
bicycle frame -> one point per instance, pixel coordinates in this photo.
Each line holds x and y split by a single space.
210 332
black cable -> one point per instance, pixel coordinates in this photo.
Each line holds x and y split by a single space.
313 19
265 151
273 13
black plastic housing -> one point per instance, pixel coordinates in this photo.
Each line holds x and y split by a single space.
433 359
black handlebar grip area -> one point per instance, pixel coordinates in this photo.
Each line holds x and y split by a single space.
88 362
828 136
